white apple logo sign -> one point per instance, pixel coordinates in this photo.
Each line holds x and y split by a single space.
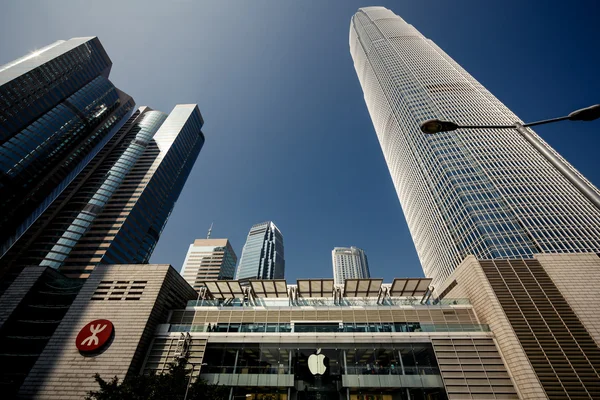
316 364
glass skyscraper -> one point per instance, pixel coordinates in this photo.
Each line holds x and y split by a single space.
57 111
116 209
85 178
262 255
349 263
490 194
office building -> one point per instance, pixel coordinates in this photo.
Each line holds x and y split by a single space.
115 210
349 262
489 194
208 259
57 111
262 255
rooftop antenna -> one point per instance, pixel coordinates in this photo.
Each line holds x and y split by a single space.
209 231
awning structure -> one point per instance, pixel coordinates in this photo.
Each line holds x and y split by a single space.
224 289
409 287
315 287
307 288
362 287
269 288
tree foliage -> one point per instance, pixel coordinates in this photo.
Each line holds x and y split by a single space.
164 386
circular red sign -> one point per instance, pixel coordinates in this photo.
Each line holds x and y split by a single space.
94 335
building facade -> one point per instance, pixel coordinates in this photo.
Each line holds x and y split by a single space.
57 111
464 192
115 209
208 259
544 314
133 299
317 340
349 262
30 311
262 255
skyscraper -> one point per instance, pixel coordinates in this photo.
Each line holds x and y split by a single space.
262 255
349 263
57 111
208 259
490 194
116 208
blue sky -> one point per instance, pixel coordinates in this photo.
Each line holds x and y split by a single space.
288 136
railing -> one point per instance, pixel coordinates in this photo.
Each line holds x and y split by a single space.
363 369
249 369
396 370
398 327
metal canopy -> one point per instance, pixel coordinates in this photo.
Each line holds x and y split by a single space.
409 287
315 287
269 288
362 287
224 289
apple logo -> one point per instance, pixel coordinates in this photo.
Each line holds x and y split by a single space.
316 363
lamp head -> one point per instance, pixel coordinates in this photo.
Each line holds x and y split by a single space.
436 126
586 114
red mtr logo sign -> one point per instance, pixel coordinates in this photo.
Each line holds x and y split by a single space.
94 335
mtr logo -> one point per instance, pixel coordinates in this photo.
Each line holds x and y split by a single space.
94 336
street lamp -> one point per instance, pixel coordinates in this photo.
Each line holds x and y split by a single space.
591 113
436 126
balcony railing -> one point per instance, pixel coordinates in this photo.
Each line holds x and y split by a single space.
329 328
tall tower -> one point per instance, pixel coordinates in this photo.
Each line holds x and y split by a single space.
58 110
114 211
490 194
208 259
262 255
349 263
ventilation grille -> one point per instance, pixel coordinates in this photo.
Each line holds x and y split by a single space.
119 290
563 354
473 369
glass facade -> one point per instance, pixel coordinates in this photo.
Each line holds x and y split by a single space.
350 361
114 211
262 255
57 111
104 188
374 346
490 194
38 82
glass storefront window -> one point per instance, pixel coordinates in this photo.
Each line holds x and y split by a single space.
272 358
318 370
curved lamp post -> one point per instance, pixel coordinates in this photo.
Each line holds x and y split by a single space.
591 113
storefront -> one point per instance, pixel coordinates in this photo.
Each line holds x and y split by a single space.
325 370
314 340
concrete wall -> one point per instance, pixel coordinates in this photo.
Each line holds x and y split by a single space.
577 276
62 372
472 283
13 296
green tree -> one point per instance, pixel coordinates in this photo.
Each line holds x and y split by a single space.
167 386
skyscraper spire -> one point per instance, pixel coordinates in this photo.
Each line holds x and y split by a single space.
209 230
